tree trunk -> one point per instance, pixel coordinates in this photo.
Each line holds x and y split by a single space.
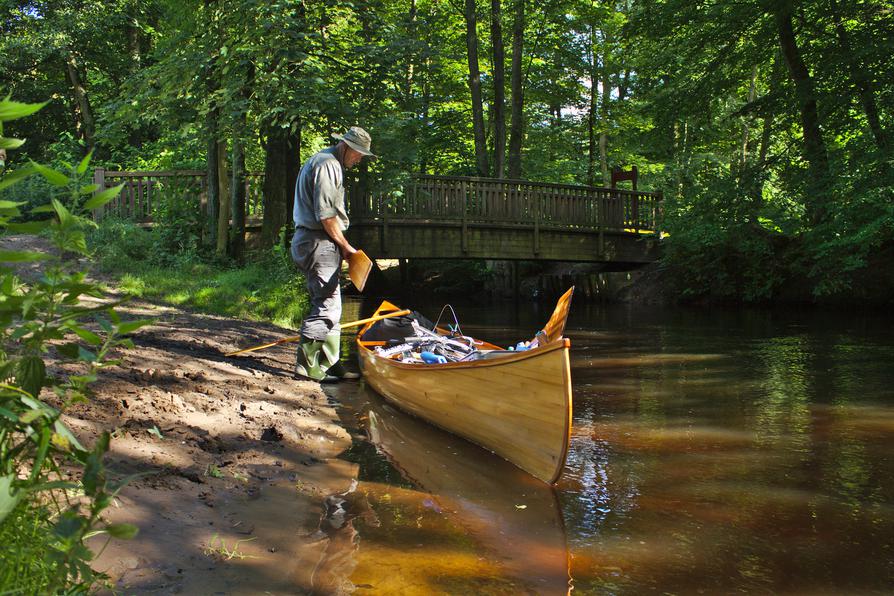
213 182
861 82
280 172
86 123
237 192
517 124
591 115
223 214
475 87
743 145
411 52
814 146
499 88
603 111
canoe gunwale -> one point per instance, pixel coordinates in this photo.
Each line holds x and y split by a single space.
561 343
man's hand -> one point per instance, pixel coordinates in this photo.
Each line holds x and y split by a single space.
333 229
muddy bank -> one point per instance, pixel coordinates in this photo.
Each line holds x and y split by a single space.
237 459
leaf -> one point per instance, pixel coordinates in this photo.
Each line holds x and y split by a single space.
15 176
154 431
82 167
122 531
65 432
8 143
9 497
69 350
88 336
13 110
53 177
86 355
131 326
22 256
29 227
31 373
65 216
101 198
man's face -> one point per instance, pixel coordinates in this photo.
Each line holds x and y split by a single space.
352 157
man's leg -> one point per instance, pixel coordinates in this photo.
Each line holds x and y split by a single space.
318 350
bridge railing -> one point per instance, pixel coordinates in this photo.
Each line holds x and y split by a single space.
425 198
510 202
144 193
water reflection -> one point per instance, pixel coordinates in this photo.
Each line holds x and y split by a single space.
463 520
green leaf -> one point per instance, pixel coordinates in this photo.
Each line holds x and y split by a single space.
13 110
85 163
53 177
29 227
88 336
131 326
65 432
43 209
8 143
11 204
101 198
31 374
69 350
22 256
9 497
65 216
86 355
15 176
123 531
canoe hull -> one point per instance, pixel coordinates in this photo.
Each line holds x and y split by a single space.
518 406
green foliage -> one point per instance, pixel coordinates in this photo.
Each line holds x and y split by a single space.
698 96
36 312
266 288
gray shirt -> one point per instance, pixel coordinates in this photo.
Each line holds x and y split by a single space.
320 192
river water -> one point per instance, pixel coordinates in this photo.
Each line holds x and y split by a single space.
713 451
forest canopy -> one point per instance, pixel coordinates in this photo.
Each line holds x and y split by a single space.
765 124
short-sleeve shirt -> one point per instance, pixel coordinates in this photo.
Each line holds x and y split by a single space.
320 192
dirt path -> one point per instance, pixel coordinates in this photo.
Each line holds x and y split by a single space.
239 461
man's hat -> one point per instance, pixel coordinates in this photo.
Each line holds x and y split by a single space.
358 139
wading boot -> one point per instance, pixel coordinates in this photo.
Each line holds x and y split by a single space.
335 371
308 365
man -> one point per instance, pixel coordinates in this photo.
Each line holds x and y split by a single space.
318 247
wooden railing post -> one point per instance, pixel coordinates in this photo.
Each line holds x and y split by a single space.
464 192
536 222
99 179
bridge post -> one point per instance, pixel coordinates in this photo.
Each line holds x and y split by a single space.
99 179
464 193
536 223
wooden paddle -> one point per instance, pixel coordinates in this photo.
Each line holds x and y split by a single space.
286 340
359 266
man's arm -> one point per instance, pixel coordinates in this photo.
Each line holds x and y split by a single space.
333 228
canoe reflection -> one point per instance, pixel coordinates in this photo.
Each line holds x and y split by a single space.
514 518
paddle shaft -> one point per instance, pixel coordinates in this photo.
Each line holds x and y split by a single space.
285 340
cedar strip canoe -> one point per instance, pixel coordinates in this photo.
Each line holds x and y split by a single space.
517 405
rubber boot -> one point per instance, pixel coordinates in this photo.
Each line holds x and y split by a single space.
332 357
308 363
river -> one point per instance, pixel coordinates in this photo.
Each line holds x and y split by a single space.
713 451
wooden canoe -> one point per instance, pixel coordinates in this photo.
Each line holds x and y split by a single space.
517 405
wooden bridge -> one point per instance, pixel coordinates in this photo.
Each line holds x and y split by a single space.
451 217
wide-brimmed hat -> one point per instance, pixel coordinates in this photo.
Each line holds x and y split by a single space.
358 139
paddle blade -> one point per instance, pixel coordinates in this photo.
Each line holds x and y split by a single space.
359 266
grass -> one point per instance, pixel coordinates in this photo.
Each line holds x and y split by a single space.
266 288
25 542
